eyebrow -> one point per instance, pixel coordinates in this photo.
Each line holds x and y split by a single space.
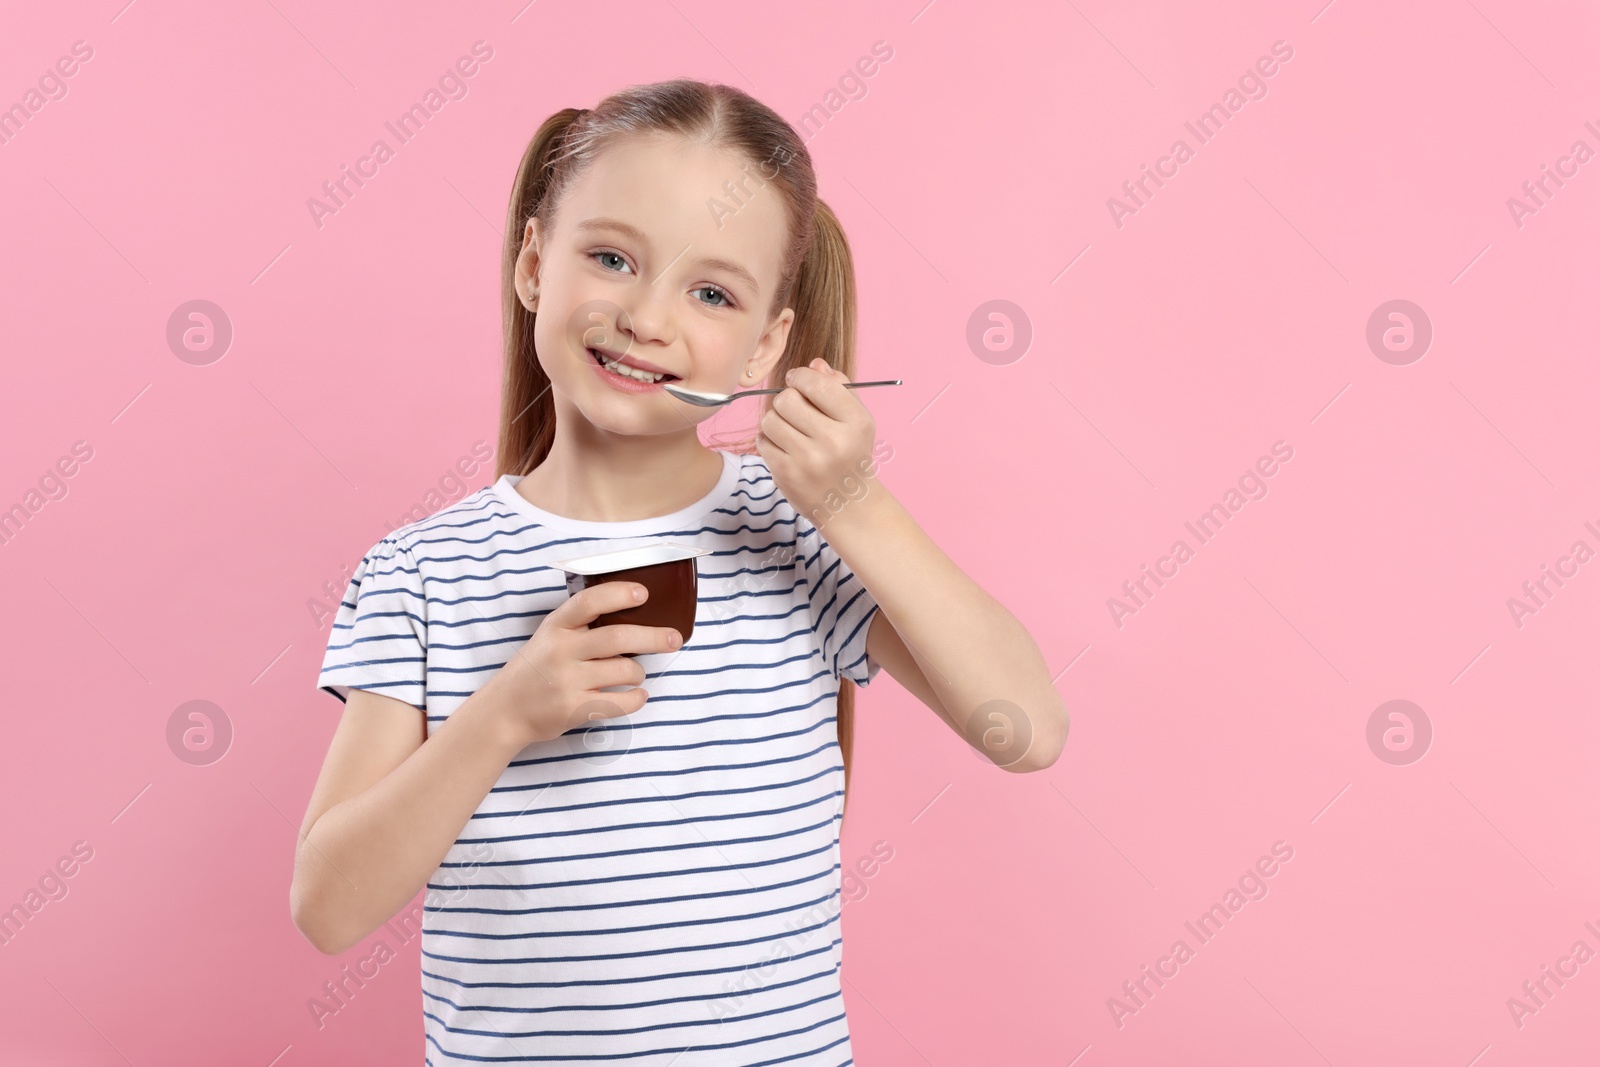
637 234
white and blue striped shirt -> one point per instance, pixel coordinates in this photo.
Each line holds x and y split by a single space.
654 889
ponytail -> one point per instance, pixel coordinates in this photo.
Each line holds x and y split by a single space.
527 411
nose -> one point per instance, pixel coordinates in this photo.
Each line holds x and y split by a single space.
649 313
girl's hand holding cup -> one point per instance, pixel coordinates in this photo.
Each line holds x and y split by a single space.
554 682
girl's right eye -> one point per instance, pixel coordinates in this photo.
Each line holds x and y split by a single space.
608 252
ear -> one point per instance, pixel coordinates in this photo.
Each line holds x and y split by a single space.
528 261
769 349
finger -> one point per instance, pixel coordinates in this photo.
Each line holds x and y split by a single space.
825 391
798 410
620 670
610 705
627 638
589 603
780 432
766 447
829 368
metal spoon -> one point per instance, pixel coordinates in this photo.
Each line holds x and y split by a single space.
712 400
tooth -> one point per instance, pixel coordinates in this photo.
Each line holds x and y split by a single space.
630 372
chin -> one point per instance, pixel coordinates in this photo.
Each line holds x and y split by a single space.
621 414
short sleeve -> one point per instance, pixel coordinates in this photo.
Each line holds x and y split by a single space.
841 608
379 639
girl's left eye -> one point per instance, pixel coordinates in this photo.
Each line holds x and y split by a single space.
723 293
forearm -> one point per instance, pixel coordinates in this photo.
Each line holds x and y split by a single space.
366 857
970 648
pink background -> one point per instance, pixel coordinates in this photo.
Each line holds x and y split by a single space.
1228 313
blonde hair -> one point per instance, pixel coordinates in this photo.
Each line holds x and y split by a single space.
817 278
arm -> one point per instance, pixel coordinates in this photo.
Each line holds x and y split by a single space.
951 644
937 632
387 807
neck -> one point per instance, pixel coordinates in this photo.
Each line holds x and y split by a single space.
593 475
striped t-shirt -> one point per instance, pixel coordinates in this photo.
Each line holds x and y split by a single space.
653 889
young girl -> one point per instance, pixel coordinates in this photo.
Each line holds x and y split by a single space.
647 874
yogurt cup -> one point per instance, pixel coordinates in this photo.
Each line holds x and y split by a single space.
668 570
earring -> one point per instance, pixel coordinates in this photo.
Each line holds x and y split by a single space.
749 373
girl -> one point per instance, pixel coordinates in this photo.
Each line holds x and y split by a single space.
649 874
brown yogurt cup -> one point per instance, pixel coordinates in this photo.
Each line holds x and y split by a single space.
668 570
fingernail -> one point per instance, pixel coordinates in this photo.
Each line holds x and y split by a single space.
638 592
788 375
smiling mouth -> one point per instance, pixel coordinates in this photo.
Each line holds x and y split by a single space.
625 371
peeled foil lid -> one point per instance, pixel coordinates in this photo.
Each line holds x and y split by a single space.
628 558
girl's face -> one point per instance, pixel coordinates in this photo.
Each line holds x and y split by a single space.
665 251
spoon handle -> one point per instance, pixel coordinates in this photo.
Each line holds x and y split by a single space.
847 385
